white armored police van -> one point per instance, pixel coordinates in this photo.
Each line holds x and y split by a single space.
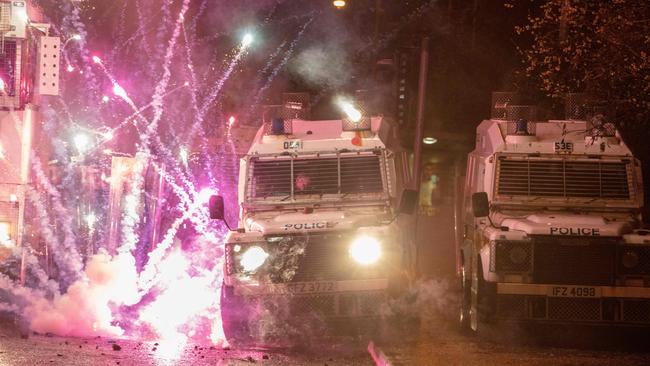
551 229
317 240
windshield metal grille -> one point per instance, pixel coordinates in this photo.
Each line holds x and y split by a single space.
564 178
289 178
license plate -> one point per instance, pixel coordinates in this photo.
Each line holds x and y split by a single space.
574 291
304 287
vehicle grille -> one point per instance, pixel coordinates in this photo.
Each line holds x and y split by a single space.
574 260
563 178
324 175
501 256
643 266
326 257
574 309
364 303
324 305
636 311
511 306
610 310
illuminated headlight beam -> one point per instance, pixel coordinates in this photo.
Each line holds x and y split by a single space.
253 258
365 250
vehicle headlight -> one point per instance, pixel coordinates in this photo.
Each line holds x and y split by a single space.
511 256
630 259
365 250
518 255
253 258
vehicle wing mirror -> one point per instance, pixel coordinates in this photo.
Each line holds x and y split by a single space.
216 208
480 204
408 201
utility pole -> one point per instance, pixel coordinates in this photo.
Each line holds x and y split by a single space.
419 119
417 144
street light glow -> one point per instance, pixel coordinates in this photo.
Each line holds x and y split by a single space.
76 37
429 140
352 113
339 4
247 40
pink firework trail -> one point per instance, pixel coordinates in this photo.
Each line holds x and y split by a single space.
129 91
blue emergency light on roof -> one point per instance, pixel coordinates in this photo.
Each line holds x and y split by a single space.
521 127
277 126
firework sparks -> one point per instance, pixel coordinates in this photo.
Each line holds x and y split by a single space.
163 105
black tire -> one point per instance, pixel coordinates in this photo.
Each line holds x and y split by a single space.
252 323
465 303
486 301
234 319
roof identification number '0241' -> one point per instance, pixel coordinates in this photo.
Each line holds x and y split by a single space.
293 144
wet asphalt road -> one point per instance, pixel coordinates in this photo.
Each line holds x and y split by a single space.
433 344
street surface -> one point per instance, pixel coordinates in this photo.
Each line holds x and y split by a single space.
436 343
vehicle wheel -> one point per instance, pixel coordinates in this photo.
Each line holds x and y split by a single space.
465 302
234 319
484 303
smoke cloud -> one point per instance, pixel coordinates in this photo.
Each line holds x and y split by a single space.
326 66
87 306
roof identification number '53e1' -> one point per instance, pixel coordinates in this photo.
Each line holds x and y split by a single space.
563 147
311 226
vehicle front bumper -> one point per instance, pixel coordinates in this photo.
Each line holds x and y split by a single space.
548 302
323 300
311 288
